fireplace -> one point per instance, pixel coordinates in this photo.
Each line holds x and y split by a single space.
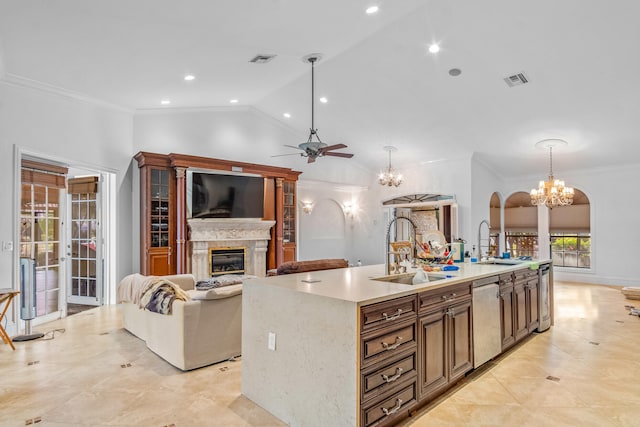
224 234
226 261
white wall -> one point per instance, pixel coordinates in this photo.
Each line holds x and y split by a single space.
327 232
62 127
446 177
614 233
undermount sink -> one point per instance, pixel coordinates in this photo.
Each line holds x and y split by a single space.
406 278
499 261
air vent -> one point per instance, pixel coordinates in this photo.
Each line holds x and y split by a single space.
262 59
516 79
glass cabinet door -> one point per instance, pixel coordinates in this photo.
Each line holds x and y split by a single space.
289 220
159 209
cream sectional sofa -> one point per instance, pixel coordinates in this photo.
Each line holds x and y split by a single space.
203 330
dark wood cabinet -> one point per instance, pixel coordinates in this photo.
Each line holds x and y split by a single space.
388 361
163 209
413 348
519 311
507 302
532 290
157 216
445 339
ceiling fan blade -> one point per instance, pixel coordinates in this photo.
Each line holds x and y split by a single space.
331 153
290 154
292 146
332 147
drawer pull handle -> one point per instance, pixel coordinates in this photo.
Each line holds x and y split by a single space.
453 295
393 378
393 346
393 316
444 297
393 410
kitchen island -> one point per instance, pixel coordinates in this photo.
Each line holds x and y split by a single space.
351 347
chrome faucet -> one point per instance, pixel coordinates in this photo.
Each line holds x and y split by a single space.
484 221
413 241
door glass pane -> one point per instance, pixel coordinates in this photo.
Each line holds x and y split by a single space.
40 240
84 224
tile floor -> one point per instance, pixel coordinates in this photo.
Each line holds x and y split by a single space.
584 371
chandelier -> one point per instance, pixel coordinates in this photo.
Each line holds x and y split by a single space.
388 177
551 192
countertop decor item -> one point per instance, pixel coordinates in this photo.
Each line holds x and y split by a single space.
389 177
551 192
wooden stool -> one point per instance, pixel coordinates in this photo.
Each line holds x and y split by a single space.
8 297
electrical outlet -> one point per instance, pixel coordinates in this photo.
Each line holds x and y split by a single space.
271 345
7 246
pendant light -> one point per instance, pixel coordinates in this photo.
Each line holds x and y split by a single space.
388 177
551 192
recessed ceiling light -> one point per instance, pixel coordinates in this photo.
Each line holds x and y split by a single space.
287 115
434 48
189 77
371 10
165 102
324 99
233 101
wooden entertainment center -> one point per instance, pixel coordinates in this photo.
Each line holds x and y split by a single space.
163 209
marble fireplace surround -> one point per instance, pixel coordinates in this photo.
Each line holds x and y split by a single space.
205 233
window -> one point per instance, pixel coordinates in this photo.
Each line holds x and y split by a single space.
571 249
522 244
570 233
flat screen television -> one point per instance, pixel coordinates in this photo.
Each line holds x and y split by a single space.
212 195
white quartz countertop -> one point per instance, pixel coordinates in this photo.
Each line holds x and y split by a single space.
355 284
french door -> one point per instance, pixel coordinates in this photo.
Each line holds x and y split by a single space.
84 246
40 241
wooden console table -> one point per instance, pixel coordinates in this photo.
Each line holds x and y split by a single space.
6 297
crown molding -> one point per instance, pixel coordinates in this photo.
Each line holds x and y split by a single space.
24 82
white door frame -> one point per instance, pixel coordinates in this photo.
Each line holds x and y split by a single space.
109 218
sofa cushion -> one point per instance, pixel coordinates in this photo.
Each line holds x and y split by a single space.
215 293
312 265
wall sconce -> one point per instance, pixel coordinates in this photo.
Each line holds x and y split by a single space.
307 207
349 209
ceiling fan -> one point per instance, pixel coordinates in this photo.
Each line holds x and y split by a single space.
312 149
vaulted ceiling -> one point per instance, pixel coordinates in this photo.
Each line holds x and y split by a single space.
383 85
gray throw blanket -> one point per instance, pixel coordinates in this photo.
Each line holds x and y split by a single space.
160 295
219 281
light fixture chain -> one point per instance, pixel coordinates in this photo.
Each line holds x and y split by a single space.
550 161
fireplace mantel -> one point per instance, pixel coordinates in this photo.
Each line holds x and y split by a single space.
205 233
229 229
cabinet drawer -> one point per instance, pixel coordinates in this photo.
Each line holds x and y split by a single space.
448 295
525 275
381 377
391 406
382 344
384 313
506 279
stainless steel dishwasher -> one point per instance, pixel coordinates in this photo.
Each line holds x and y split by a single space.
487 339
544 303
